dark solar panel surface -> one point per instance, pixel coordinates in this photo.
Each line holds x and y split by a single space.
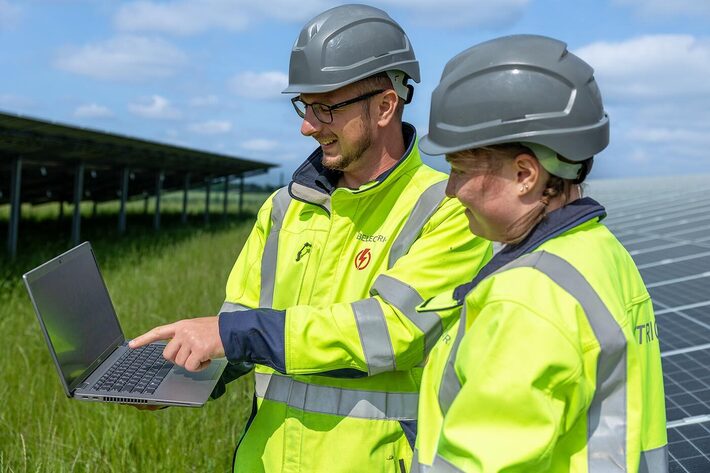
686 378
665 225
689 446
682 330
663 270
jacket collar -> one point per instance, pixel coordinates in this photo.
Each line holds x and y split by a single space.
555 223
313 183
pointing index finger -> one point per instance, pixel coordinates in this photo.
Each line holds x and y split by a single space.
162 332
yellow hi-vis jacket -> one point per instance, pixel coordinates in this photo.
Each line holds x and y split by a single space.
554 366
332 277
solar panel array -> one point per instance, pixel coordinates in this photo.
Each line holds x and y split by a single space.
665 225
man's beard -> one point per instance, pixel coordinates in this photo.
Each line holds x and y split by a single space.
348 157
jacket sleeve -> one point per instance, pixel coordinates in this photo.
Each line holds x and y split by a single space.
521 387
241 295
381 333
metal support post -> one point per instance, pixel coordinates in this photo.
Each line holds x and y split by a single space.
226 197
15 206
125 175
241 193
158 190
207 200
78 191
185 190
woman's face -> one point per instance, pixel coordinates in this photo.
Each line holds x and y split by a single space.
491 196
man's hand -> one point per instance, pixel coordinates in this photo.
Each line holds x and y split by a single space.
194 342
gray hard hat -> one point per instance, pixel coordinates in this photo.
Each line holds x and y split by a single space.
520 88
345 44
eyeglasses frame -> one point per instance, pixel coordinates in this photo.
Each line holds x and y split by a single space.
329 108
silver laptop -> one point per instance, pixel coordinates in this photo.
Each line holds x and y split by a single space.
87 343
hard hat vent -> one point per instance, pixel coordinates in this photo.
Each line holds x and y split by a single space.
346 44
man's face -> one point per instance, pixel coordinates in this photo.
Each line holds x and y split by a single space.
348 137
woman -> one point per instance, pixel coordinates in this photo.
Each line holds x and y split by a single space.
545 370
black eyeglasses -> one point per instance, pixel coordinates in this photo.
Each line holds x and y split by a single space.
323 112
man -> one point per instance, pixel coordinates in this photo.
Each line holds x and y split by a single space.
322 297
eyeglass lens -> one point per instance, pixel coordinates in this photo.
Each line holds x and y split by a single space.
324 113
321 111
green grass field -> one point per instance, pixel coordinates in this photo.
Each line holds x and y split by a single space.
153 278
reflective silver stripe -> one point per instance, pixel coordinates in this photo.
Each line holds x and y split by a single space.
405 298
425 207
279 205
310 195
606 417
232 307
374 336
418 467
450 384
654 461
443 466
337 401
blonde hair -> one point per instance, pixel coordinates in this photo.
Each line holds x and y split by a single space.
491 159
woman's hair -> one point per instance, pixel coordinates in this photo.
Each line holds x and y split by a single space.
490 160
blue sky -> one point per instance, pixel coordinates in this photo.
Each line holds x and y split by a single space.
207 74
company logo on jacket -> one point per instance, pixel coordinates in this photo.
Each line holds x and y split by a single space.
370 238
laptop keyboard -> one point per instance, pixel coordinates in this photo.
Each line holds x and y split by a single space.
136 371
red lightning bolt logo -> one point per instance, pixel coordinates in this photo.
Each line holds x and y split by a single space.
363 259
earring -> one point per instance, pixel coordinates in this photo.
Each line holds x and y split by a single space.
524 187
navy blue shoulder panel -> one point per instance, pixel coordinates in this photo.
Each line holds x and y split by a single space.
314 175
555 223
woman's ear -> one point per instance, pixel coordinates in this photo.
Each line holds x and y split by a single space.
529 172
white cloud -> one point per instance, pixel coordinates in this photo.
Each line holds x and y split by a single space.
182 17
664 8
155 107
259 85
211 127
92 110
651 66
10 14
260 145
189 17
126 58
656 91
490 14
204 101
639 156
668 135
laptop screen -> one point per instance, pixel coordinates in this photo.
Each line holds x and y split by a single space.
75 309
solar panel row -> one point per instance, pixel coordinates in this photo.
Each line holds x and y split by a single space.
665 225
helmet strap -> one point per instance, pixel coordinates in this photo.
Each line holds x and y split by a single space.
399 83
549 160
